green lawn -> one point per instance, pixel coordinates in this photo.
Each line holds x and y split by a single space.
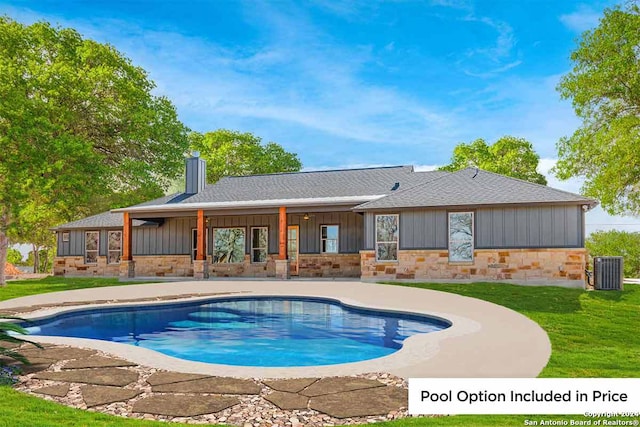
23 288
593 334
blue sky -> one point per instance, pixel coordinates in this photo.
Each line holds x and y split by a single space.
353 83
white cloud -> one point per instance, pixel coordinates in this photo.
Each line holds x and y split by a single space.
582 19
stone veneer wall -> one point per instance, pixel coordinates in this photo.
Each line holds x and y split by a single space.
163 265
329 265
309 265
518 265
244 269
75 266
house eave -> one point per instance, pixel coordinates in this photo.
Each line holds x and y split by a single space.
589 203
248 204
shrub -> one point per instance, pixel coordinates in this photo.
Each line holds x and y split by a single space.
9 375
617 243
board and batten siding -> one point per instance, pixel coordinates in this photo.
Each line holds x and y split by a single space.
349 234
500 227
419 229
530 227
75 245
173 237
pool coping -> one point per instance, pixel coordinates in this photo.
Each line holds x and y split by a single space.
485 339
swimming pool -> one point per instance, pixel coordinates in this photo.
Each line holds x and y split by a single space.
249 331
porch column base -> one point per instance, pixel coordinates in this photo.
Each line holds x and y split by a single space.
282 269
127 269
200 269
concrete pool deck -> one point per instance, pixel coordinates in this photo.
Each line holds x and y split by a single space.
485 339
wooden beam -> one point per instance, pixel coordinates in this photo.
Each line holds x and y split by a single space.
200 251
127 237
282 228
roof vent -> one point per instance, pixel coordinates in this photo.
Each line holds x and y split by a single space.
395 186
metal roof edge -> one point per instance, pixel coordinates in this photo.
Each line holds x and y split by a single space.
251 203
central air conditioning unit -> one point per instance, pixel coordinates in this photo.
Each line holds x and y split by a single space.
608 273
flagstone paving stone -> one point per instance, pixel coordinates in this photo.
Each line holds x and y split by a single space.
361 403
288 401
339 384
95 395
102 376
60 390
217 385
58 353
290 385
159 378
35 365
183 406
97 362
11 345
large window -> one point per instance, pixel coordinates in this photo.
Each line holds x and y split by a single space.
194 242
329 239
114 250
461 236
259 244
91 245
387 237
228 245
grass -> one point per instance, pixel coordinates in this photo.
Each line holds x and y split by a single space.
593 334
23 288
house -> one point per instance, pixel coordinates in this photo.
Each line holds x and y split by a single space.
382 223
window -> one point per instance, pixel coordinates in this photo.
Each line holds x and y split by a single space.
65 236
259 244
329 239
115 247
228 245
387 237
91 245
194 242
460 236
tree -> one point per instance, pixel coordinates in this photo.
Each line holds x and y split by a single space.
604 88
617 243
36 218
232 153
80 130
509 156
14 257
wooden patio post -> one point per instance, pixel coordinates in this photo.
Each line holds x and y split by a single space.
127 265
282 229
200 251
282 263
126 237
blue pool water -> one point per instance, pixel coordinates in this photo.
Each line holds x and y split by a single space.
263 331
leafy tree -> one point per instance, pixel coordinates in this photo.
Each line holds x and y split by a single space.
41 260
604 87
14 256
617 243
37 217
509 156
232 153
80 130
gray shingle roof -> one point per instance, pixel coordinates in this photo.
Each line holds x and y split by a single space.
334 183
473 187
416 189
101 220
